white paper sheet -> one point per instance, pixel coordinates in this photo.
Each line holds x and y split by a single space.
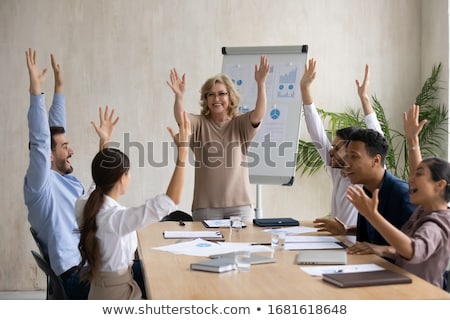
245 246
197 247
311 245
219 223
191 234
203 248
291 230
310 239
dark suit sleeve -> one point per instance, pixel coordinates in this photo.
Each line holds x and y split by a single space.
394 206
361 229
400 201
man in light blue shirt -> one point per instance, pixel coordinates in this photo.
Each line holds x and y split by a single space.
50 191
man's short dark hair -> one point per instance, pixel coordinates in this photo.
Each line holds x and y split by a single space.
53 131
345 133
374 141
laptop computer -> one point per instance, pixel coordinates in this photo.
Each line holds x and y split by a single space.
275 222
321 257
254 258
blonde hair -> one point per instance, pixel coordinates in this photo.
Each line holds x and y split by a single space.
234 95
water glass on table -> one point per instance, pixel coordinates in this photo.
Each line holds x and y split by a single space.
235 223
277 240
242 260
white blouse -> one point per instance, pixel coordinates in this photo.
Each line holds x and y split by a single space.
117 227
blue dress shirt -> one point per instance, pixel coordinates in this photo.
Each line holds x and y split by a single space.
50 196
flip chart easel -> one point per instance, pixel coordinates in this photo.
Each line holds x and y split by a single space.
272 154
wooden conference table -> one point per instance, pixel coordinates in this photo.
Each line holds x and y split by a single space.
168 275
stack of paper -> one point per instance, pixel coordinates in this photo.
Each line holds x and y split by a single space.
219 223
203 248
212 235
312 242
214 265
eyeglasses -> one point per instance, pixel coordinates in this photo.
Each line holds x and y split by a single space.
335 147
213 95
341 144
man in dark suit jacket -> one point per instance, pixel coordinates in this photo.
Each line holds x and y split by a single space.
365 165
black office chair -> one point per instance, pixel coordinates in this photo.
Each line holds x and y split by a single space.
446 286
55 288
177 215
50 295
39 245
44 255
448 281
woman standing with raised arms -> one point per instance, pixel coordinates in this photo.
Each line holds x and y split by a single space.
220 141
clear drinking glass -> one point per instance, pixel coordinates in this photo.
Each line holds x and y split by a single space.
242 259
235 223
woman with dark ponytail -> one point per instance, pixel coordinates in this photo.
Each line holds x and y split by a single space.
422 246
108 237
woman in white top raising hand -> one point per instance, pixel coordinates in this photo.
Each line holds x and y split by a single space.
108 239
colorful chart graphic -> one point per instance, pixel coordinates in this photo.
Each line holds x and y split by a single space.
286 83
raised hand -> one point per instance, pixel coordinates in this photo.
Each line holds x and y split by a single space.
36 78
57 72
362 88
411 123
309 75
105 128
412 128
305 83
263 70
181 139
177 84
365 205
185 131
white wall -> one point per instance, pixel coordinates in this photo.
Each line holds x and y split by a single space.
435 46
119 52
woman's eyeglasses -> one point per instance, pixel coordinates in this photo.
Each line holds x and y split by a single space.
213 95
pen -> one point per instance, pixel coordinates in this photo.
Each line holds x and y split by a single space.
260 244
